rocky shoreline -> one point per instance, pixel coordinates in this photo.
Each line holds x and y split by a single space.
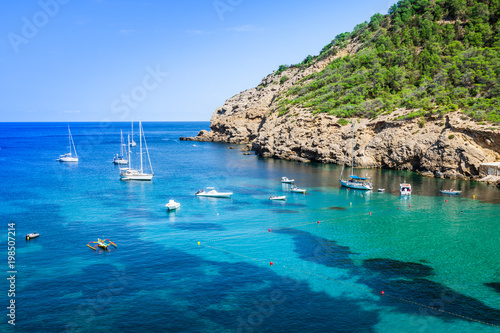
449 146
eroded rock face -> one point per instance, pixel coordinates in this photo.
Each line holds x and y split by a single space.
452 145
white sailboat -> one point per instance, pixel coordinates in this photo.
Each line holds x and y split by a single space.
69 156
122 158
132 143
132 174
354 182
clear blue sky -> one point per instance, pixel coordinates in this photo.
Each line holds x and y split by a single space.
96 60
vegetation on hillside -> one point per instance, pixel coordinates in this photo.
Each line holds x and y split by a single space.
429 56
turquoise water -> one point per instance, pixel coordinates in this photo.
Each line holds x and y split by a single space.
436 261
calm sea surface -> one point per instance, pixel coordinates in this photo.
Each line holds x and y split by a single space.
435 257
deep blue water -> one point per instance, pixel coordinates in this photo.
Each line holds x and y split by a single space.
421 251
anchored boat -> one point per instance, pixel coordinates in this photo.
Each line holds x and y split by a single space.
69 156
213 193
171 205
354 182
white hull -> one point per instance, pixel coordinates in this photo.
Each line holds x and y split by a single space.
172 206
68 159
286 180
214 194
218 195
356 185
282 197
135 175
133 144
298 190
451 192
120 161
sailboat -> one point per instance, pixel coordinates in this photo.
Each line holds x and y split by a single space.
354 182
122 158
69 156
132 174
132 143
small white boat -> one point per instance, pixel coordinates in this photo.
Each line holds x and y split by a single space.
122 158
32 235
381 190
213 193
69 156
297 190
405 189
286 180
172 205
451 192
277 197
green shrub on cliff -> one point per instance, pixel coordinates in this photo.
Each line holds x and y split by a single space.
430 56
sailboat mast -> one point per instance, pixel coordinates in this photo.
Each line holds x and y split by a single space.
140 142
129 152
147 152
69 139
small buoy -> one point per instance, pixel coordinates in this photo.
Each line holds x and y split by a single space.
382 292
473 197
461 212
271 263
217 214
350 203
398 207
370 213
318 222
446 201
198 243
28 237
409 206
269 230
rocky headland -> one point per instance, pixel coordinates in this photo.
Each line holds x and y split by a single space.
416 101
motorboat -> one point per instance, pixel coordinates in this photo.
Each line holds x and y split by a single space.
297 190
69 156
277 197
211 192
450 192
122 157
354 182
405 189
32 235
132 174
381 190
286 180
171 205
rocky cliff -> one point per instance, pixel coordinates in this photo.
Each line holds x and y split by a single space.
450 146
420 86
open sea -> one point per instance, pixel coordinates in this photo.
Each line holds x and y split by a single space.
375 262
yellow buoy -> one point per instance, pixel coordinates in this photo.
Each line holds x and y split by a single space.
198 243
473 197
